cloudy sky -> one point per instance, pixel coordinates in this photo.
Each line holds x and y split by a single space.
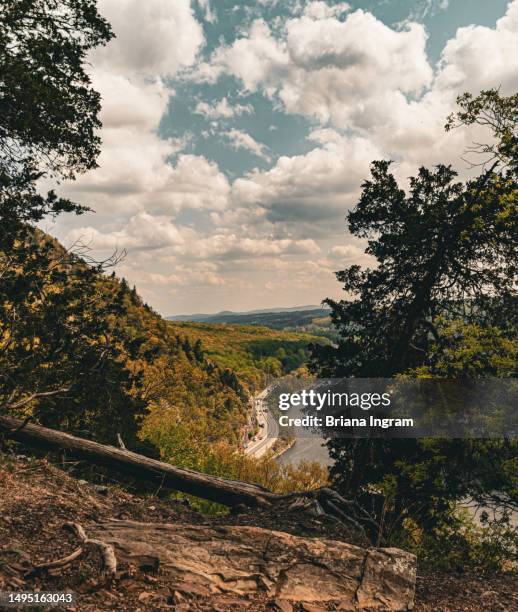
236 134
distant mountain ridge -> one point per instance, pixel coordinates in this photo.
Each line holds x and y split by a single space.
220 317
313 320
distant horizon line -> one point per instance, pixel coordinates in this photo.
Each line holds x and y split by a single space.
272 309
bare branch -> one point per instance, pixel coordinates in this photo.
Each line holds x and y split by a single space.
12 406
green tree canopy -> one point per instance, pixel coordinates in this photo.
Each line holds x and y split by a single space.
440 300
52 319
48 109
446 247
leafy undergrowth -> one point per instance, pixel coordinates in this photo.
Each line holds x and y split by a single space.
37 499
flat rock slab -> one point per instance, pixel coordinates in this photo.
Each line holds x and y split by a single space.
244 560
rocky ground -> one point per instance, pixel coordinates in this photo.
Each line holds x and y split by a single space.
37 499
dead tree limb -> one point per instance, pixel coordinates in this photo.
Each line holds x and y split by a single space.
10 405
213 488
57 564
121 442
232 493
107 551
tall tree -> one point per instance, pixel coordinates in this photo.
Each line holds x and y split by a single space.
48 109
78 350
445 247
445 258
51 315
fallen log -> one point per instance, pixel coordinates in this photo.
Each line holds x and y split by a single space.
213 488
230 493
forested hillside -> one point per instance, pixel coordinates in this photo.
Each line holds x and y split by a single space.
84 354
86 365
255 353
131 360
314 321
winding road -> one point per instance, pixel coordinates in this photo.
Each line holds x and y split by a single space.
268 427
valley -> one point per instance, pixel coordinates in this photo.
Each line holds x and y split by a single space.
256 353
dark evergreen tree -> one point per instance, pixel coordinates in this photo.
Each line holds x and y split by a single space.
198 351
60 351
187 348
443 252
48 109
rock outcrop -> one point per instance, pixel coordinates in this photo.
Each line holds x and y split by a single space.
244 560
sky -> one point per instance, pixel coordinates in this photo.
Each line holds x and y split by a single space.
236 135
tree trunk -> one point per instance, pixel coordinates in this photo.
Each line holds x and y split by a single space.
212 488
231 493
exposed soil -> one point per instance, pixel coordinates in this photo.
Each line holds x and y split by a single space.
37 499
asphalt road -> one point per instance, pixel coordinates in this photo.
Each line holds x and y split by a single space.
269 430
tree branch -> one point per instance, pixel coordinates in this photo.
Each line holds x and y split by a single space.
9 405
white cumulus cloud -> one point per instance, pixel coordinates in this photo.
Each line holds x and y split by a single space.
317 185
242 140
327 68
153 37
222 109
142 231
321 10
